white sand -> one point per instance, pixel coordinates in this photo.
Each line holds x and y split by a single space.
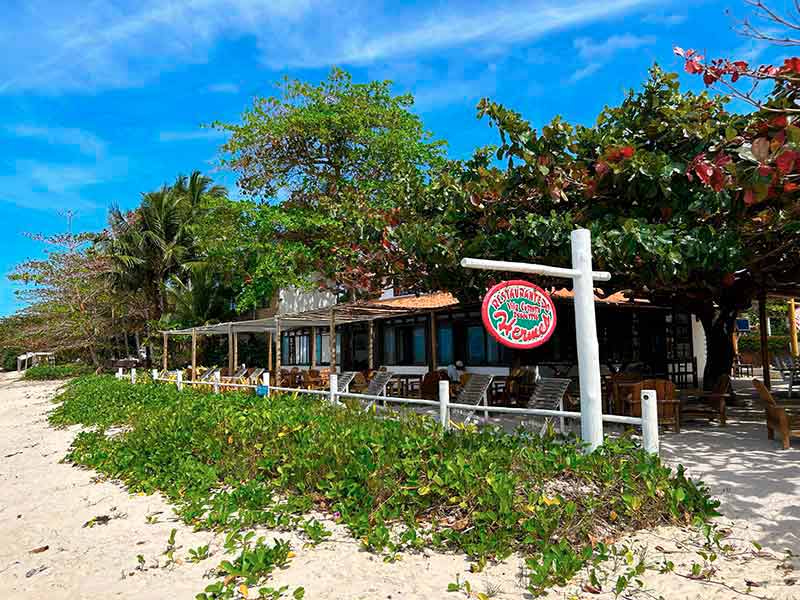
44 502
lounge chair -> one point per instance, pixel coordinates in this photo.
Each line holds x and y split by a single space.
783 418
548 394
475 392
377 387
669 409
699 404
344 380
789 369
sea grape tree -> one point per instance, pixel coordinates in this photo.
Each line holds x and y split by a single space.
659 182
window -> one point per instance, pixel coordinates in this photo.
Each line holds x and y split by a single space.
322 347
476 348
444 344
405 341
389 346
296 347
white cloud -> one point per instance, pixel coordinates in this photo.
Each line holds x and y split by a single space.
191 135
87 142
590 50
223 88
76 46
663 19
595 55
49 186
585 72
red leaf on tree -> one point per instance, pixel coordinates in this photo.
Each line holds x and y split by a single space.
749 197
791 65
627 151
785 161
790 186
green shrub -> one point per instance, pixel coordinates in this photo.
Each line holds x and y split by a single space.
48 372
8 358
778 344
237 461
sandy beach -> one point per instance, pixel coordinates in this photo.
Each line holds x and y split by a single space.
65 535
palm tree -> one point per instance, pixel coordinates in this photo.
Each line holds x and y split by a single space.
152 243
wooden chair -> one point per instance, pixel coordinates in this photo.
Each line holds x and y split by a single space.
778 418
699 404
311 379
669 409
620 385
359 383
429 388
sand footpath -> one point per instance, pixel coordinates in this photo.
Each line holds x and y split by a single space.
47 504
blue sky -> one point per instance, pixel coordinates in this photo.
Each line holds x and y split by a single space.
101 101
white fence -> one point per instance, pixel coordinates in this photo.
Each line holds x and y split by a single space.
648 421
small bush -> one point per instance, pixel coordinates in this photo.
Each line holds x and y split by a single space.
237 461
8 358
49 372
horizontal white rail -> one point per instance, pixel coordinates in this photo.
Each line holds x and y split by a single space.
648 422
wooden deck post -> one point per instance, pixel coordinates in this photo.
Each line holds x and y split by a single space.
792 328
332 340
762 329
230 351
371 346
432 330
312 347
269 351
235 350
194 354
277 351
165 355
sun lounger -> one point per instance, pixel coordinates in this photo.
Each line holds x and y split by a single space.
548 394
789 368
781 418
344 380
474 392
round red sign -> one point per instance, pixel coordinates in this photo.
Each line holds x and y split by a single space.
519 314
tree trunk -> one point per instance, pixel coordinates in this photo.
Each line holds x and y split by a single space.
718 326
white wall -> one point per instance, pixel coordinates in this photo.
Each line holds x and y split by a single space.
699 346
293 300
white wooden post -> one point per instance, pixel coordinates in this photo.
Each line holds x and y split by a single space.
120 373
154 374
179 380
486 403
216 382
586 338
585 324
444 402
133 375
334 382
265 382
650 421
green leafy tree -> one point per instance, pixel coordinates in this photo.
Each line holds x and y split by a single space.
648 181
72 306
338 158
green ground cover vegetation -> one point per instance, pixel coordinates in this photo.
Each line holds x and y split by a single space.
48 372
234 462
